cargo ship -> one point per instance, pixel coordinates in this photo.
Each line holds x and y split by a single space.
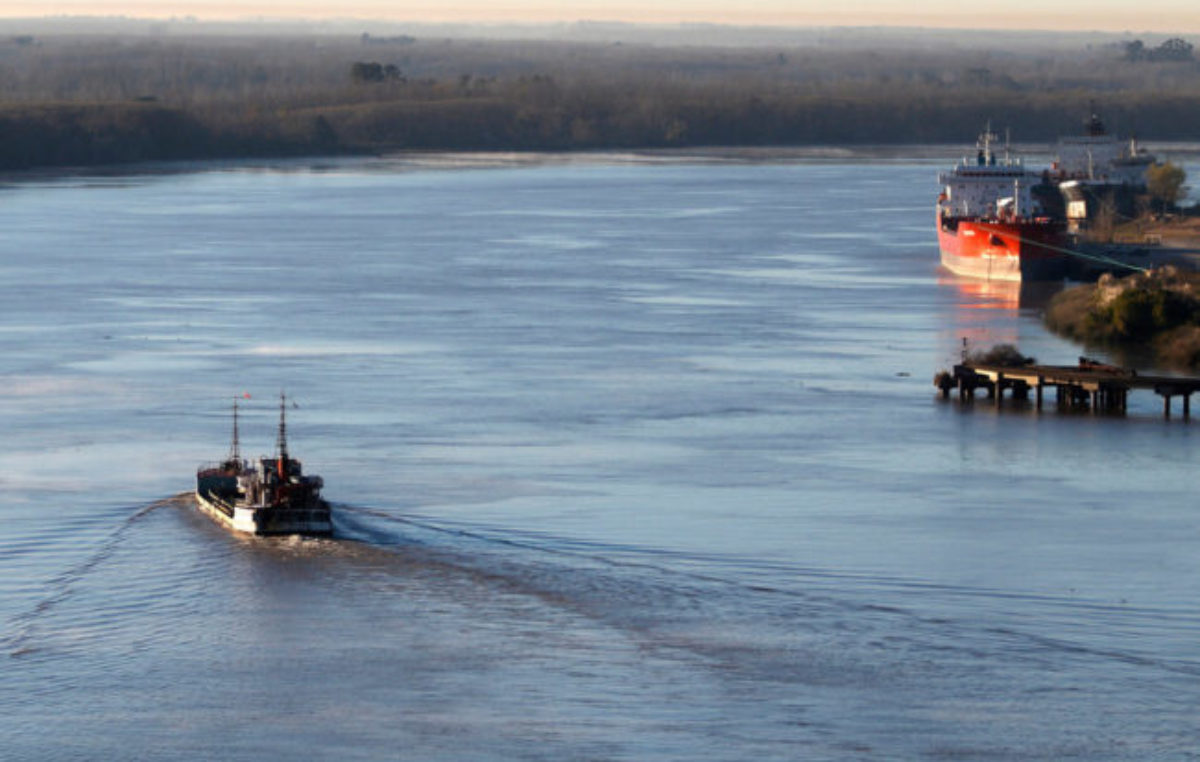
1098 157
1097 171
992 224
271 496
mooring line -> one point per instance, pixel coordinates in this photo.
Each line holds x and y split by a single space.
1070 252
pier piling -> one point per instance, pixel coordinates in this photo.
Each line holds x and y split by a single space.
1090 386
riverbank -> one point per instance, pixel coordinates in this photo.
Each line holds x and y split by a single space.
1176 232
1147 243
1157 311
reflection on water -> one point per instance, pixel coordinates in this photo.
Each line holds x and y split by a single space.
983 294
979 314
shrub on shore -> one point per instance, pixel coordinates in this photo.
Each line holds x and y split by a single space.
1160 309
1069 312
1003 355
1180 348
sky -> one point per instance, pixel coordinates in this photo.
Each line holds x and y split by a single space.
1166 16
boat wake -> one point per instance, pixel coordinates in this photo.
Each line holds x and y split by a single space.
675 599
21 629
745 619
449 601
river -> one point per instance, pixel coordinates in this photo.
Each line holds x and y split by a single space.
632 457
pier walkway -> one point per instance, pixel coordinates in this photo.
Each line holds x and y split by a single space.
1088 386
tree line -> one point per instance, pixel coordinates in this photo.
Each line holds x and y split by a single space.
99 100
1175 49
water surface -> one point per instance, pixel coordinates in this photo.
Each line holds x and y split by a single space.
632 460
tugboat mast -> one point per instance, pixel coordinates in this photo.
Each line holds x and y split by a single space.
235 453
281 442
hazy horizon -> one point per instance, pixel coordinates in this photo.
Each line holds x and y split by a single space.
1160 16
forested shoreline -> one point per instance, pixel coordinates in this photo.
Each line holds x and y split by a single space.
95 100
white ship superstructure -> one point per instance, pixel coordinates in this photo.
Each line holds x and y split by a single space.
1098 157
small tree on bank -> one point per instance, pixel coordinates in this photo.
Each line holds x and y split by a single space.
373 71
1164 184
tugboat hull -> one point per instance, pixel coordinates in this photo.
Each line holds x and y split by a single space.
266 520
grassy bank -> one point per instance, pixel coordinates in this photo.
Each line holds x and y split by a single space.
1159 311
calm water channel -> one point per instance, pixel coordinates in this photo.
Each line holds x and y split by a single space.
634 459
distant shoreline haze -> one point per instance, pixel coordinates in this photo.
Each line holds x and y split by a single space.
91 96
999 31
1163 16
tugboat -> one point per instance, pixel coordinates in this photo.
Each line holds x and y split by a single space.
272 496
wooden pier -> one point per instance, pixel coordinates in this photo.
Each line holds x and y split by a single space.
1091 385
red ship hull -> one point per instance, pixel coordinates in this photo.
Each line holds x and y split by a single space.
1010 250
